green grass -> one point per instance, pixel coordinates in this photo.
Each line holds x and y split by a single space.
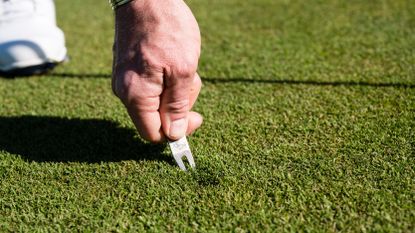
309 111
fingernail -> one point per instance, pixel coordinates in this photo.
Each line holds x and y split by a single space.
177 129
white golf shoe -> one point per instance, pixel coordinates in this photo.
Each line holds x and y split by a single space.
30 41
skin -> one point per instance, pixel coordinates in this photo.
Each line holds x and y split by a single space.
156 54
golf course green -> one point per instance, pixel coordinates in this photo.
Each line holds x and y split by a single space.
309 126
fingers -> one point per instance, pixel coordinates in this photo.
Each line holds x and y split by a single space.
195 90
147 123
154 110
141 97
175 105
177 99
195 121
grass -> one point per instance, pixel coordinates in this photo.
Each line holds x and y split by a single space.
309 111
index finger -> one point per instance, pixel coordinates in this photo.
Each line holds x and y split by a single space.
142 99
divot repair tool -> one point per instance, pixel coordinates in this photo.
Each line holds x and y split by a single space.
180 149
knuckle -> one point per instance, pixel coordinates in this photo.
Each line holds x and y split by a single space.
178 106
186 69
123 86
183 72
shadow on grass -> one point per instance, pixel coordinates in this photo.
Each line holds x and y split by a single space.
54 139
255 81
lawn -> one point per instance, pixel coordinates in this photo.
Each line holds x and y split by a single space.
309 110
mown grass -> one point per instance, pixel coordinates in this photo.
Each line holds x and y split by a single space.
309 111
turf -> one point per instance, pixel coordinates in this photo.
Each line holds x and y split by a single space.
309 111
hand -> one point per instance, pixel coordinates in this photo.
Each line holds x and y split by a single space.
156 53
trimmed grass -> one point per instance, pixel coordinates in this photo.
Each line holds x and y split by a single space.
309 111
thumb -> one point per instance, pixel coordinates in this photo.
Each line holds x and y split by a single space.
175 106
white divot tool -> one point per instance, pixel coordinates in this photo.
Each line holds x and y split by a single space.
180 149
